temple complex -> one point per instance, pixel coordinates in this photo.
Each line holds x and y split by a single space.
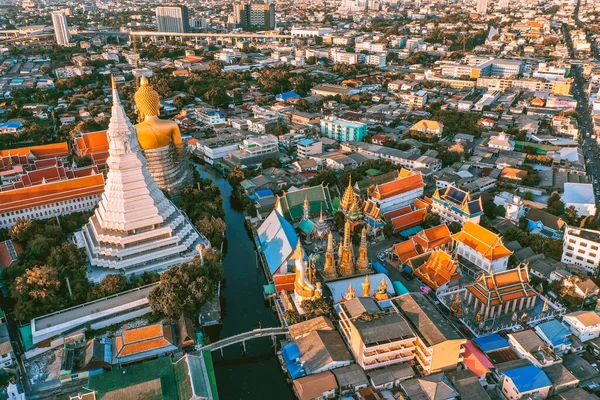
161 143
501 293
135 228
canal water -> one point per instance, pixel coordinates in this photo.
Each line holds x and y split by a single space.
256 375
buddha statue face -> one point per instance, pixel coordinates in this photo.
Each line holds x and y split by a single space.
147 100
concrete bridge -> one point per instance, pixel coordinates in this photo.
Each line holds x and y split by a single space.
242 338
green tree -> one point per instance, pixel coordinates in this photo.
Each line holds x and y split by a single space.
111 284
236 175
316 308
291 316
454 227
571 215
70 263
339 220
388 230
37 292
500 211
184 289
431 219
555 204
213 228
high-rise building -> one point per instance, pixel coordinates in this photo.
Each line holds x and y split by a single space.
482 6
253 17
173 19
61 28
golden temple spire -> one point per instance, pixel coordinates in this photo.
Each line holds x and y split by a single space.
329 268
382 293
346 258
366 286
349 197
362 263
113 84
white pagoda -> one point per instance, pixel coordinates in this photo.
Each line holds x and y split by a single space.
135 228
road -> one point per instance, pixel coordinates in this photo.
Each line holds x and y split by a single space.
587 143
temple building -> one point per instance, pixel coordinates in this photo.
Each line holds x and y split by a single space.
291 204
362 261
38 183
501 293
402 191
456 205
94 146
315 232
436 269
350 207
161 143
480 250
135 228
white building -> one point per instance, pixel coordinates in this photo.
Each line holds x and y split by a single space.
61 28
583 324
513 204
581 196
501 142
135 228
582 247
217 148
482 248
255 149
173 19
308 147
210 116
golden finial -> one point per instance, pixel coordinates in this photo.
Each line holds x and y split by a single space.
143 81
113 84
299 252
351 293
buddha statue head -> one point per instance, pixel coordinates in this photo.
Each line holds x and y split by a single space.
153 133
147 100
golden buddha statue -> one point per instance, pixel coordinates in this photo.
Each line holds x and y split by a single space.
161 142
366 286
381 293
303 287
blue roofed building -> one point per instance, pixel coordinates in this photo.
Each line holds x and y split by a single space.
286 96
525 382
555 334
276 241
11 127
456 205
545 224
491 343
292 361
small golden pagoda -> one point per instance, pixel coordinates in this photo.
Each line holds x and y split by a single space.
329 269
349 198
381 293
346 266
362 262
366 286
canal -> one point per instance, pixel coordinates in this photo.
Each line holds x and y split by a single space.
256 375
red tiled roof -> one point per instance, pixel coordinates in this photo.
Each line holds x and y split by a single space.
405 250
143 339
44 151
438 270
402 184
483 241
432 238
9 252
498 288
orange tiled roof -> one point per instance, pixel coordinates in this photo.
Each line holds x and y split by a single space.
143 339
91 143
432 238
53 192
514 174
438 270
483 241
408 220
405 250
402 184
498 288
427 125
44 151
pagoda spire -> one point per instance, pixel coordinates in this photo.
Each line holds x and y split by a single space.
349 197
351 293
346 253
306 208
329 268
362 263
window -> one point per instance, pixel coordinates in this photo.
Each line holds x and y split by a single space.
579 258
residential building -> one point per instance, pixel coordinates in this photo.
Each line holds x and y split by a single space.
582 248
583 324
255 149
482 6
528 345
428 127
481 248
254 16
581 196
525 382
438 346
308 147
210 116
377 342
501 293
545 224
501 142
555 335
11 127
218 147
172 19
454 204
61 28
402 191
512 203
432 387
342 130
316 387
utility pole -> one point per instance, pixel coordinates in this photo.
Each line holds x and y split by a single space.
69 287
